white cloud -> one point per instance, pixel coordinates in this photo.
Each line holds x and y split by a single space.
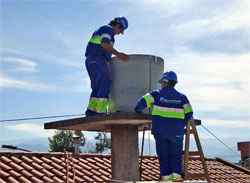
184 21
20 64
36 130
8 82
214 82
227 124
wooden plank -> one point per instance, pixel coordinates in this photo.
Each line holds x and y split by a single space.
104 122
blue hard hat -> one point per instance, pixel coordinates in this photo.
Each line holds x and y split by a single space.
123 22
168 76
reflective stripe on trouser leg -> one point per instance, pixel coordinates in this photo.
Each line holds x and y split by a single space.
100 84
98 105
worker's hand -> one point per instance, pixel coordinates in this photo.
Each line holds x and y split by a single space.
122 56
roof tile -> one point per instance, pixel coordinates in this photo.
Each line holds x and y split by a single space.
26 166
4 174
26 174
55 165
98 179
84 166
4 166
46 160
57 180
14 173
51 167
47 179
83 160
15 166
88 179
93 166
36 180
48 167
103 172
2 181
57 172
24 180
37 160
12 180
56 160
47 173
86 172
15 159
5 159
37 173
26 159
79 179
37 166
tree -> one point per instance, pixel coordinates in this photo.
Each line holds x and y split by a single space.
102 142
63 140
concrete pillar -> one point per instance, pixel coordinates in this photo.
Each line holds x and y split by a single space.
125 153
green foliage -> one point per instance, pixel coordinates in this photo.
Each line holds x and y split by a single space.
63 140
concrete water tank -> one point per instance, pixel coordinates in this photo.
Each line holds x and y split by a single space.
133 79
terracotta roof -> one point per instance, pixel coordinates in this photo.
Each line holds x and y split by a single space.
50 167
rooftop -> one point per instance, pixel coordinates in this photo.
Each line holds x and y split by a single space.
18 167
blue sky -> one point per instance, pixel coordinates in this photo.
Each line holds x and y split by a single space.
207 42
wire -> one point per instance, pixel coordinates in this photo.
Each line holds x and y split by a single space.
40 117
209 131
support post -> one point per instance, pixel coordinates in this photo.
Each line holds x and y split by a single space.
125 153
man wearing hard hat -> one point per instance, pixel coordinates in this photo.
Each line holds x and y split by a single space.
170 111
98 56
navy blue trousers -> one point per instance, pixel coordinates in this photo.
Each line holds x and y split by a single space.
99 75
169 152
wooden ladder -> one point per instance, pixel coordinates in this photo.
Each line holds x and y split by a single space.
191 129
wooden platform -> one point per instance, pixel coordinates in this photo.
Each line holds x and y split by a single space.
105 122
102 123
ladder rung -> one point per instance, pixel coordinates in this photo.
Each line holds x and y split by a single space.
194 153
191 131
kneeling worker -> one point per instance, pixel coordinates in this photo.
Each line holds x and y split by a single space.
170 111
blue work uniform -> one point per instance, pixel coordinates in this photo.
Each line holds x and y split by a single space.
170 111
97 64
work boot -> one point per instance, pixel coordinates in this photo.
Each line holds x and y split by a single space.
176 177
166 178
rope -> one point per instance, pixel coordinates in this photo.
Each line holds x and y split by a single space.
209 131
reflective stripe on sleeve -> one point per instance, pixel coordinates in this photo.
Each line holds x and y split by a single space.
187 108
149 100
95 40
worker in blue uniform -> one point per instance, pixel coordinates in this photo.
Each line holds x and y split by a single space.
98 56
170 111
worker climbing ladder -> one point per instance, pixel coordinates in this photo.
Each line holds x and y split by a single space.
191 129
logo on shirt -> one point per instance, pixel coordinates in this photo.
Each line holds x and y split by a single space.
164 100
